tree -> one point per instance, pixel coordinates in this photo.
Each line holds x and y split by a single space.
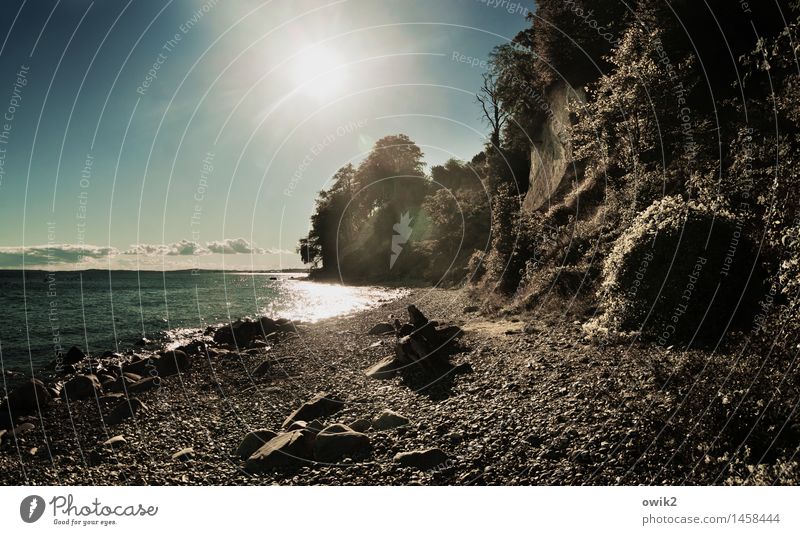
455 174
493 112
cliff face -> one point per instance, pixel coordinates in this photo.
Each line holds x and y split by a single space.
550 174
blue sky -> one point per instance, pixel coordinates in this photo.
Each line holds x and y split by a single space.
190 133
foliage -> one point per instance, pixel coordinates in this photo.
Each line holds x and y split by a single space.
679 273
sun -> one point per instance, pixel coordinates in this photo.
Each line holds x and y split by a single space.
318 72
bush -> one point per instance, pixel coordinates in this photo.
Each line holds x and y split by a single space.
679 273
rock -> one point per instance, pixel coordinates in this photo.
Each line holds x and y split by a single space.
239 333
385 369
360 425
81 387
113 396
141 366
141 342
297 425
73 356
126 409
338 441
285 450
314 427
464 367
268 326
172 363
422 459
320 406
195 347
262 369
124 381
106 381
382 328
3 433
66 369
285 325
183 455
389 419
26 399
470 309
449 333
143 385
115 442
252 441
23 429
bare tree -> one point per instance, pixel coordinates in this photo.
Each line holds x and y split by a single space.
493 113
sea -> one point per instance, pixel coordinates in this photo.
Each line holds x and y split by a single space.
43 313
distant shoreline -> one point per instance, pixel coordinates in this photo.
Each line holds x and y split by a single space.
183 270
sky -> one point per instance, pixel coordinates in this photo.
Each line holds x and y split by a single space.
180 134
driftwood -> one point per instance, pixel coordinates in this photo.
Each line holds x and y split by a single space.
421 344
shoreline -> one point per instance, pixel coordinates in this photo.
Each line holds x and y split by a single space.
537 403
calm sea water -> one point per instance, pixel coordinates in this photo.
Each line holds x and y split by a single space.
102 310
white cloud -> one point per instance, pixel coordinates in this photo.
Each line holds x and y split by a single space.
234 246
181 248
94 256
53 254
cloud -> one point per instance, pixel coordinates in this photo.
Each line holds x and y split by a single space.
85 256
53 254
181 248
235 246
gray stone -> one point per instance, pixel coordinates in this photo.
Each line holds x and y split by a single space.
388 419
320 406
81 387
144 385
183 455
125 409
422 459
382 328
73 356
338 441
285 450
172 363
252 441
360 425
115 442
385 369
26 399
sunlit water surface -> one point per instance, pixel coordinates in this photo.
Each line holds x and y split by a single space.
102 310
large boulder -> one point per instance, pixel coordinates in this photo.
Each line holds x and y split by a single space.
284 451
253 441
172 363
124 410
681 272
320 406
27 398
422 459
338 441
82 387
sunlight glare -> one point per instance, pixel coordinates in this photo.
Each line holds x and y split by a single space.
319 71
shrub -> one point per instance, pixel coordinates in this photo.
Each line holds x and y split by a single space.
681 272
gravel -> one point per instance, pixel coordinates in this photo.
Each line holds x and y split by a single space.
537 404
